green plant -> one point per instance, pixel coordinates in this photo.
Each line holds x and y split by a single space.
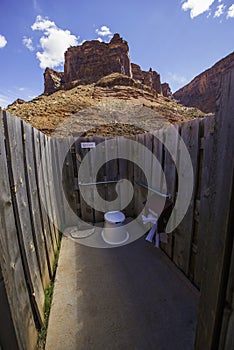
48 300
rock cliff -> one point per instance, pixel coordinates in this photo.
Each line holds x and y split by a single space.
53 81
201 91
93 60
166 90
150 78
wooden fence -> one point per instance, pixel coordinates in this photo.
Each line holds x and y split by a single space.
28 238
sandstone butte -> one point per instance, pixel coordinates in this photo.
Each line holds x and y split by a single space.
101 92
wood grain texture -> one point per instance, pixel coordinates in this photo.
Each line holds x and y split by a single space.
22 214
219 237
11 261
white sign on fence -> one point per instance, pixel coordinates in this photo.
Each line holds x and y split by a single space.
88 144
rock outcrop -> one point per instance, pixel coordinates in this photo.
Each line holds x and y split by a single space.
166 90
150 78
53 81
93 60
19 101
201 91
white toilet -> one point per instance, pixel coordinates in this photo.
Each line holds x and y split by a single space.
114 232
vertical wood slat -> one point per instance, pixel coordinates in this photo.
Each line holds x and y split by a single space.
57 181
112 172
87 212
184 232
41 190
126 171
171 139
219 237
23 214
204 199
10 260
99 215
34 204
226 341
129 210
156 179
66 180
46 178
52 183
140 192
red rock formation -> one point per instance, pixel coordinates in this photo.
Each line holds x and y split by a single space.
19 101
93 60
52 81
150 78
201 91
166 90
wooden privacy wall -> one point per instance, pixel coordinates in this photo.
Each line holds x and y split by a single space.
186 242
28 238
216 313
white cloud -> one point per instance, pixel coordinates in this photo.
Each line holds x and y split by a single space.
220 10
3 41
177 78
103 31
100 39
230 13
197 7
43 24
54 42
36 6
28 43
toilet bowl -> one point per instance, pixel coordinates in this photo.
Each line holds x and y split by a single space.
114 232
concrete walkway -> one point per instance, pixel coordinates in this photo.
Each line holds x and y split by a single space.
126 298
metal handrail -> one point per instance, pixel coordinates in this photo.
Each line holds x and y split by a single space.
136 182
168 195
99 183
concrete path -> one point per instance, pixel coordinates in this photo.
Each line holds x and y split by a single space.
126 298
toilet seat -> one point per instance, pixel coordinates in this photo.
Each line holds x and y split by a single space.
114 217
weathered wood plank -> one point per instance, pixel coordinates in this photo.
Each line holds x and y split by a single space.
171 140
57 179
130 209
112 172
99 215
11 262
219 237
52 184
125 168
40 244
70 201
139 177
46 198
87 212
22 213
184 232
41 191
156 180
204 199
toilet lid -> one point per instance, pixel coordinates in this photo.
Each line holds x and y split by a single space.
114 217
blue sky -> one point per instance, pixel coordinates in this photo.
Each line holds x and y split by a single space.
178 39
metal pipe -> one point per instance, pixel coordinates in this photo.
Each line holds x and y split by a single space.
99 183
115 181
153 190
